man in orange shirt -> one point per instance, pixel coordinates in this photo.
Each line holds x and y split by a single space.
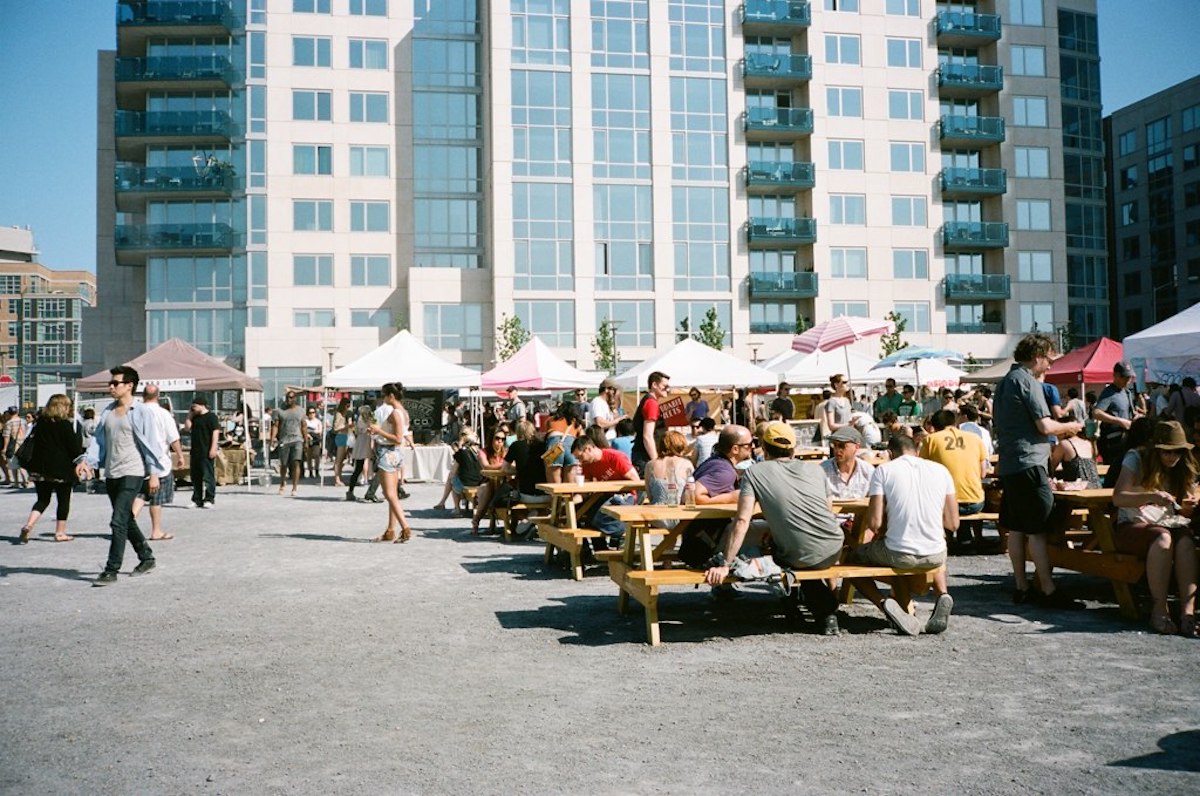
965 456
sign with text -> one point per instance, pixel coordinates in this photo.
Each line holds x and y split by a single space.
674 411
424 412
171 385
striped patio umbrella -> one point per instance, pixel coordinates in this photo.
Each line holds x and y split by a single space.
839 333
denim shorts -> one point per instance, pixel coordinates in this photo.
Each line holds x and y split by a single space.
388 460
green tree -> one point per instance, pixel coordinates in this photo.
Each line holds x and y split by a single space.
1066 337
511 334
685 330
712 334
802 325
891 343
604 347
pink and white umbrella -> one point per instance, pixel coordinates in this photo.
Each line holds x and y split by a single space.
839 332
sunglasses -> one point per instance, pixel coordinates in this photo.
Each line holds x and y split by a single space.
115 383
497 438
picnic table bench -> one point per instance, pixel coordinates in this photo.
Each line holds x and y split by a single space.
560 529
1095 552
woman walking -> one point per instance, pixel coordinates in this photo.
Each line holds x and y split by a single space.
314 431
388 432
52 467
361 452
343 420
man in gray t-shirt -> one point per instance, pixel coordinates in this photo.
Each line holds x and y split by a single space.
793 498
288 432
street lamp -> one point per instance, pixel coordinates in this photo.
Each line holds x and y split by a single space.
1170 284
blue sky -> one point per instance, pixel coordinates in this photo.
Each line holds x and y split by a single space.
48 101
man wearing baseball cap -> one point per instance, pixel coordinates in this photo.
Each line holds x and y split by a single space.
601 411
1115 411
795 502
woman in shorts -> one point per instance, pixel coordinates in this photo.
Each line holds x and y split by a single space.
389 461
343 421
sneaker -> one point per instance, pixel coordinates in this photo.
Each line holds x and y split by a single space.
829 626
375 499
940 618
196 505
208 504
1057 600
105 578
350 497
903 621
143 567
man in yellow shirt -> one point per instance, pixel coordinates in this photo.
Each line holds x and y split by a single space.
965 456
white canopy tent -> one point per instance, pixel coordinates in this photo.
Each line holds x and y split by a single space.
407 360
690 363
1167 351
813 370
931 373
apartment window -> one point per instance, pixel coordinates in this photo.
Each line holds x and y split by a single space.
257 108
369 8
543 236
846 155
1131 248
851 309
621 125
1037 317
908 211
848 263
842 49
698 128
1191 195
623 235
303 319
257 53
312 270
908 156
370 216
312 159
445 115
541 32
312 215
451 223
1190 159
847 209
1127 143
1025 12
1035 266
370 270
1189 119
850 6
690 314
621 33
903 8
1030 112
310 6
1033 162
1029 61
369 161
311 50
368 106
700 229
1158 136
368 54
446 169
916 313
910 264
634 321
1191 233
553 321
449 326
1129 213
697 35
541 116
844 101
313 106
906 105
445 62
904 52
1033 214
378 319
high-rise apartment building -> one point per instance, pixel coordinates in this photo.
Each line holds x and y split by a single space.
285 182
1153 150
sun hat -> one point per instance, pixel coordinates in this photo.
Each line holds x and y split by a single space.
1169 436
779 434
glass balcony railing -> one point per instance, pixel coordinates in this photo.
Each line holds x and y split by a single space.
973 182
776 13
970 79
775 175
777 67
175 13
175 236
779 120
772 327
177 68
967 28
174 179
956 129
978 287
207 124
792 284
782 230
974 328
962 235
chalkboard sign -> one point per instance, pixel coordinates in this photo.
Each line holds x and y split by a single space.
230 400
425 412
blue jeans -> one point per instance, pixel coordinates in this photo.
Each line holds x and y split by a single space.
606 524
121 493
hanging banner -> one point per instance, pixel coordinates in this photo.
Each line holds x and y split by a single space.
172 385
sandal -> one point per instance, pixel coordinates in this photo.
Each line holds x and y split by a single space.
68 538
405 534
1161 623
387 536
25 535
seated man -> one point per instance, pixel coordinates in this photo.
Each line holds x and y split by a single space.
847 475
964 456
792 496
705 441
919 501
716 482
606 464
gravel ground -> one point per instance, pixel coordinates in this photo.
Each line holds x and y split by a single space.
273 650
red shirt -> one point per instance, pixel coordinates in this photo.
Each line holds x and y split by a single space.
612 466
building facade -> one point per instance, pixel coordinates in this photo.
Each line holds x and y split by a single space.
41 316
288 181
1154 206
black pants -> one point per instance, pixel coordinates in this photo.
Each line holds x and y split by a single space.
61 493
204 478
359 465
121 493
819 598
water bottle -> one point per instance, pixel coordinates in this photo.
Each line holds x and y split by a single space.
689 492
672 492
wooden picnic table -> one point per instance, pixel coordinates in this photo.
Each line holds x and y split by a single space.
1097 553
561 530
496 476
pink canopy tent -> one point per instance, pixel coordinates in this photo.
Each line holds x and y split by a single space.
1091 364
536 367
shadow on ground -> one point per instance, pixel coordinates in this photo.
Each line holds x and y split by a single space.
314 537
65 574
1180 752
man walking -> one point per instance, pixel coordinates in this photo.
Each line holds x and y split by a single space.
168 432
206 433
126 445
288 432
1115 411
782 407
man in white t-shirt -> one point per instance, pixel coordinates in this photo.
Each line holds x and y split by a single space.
168 435
920 503
600 411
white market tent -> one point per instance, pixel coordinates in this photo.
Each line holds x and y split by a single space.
1167 351
690 363
931 372
536 367
407 360
814 369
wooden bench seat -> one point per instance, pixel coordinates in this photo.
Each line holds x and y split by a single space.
644 585
509 516
569 540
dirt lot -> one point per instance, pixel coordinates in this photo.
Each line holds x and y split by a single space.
273 650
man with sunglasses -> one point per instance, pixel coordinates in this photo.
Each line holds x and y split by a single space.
126 445
716 482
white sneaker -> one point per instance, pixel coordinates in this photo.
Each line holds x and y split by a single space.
940 618
905 622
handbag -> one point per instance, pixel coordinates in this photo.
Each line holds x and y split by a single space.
28 449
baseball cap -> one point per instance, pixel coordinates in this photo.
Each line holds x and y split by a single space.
1123 369
779 434
200 400
846 434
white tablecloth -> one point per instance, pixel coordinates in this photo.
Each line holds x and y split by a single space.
427 463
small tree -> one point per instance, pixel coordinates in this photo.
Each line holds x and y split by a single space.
604 347
891 343
511 334
1066 337
802 325
712 334
685 330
